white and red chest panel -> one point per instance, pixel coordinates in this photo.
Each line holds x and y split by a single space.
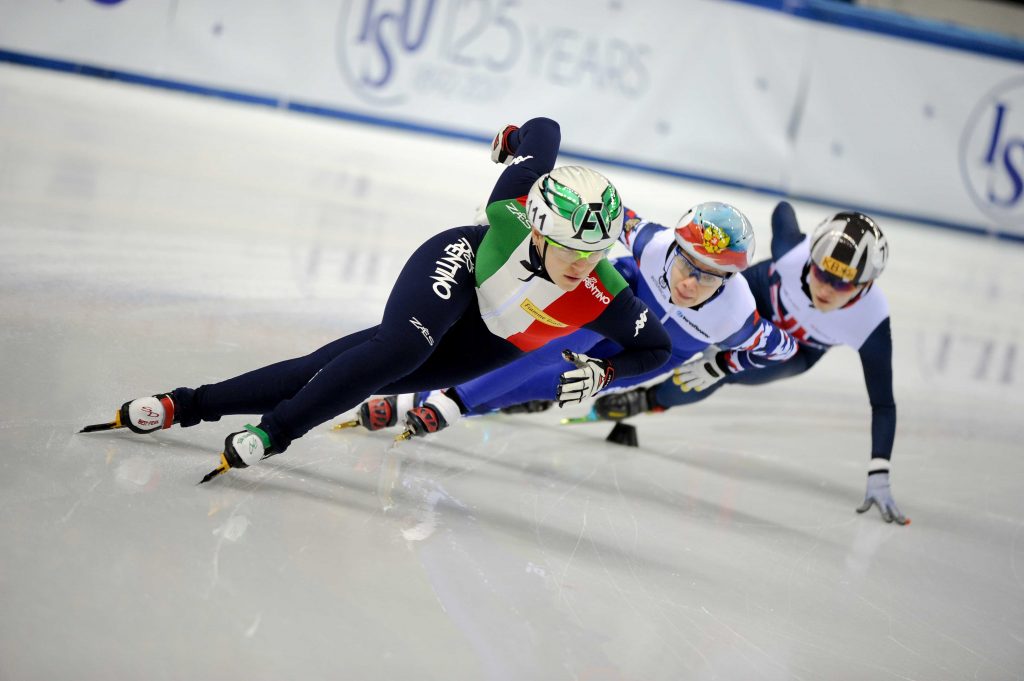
793 311
714 321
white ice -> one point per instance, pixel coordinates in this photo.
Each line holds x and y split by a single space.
150 240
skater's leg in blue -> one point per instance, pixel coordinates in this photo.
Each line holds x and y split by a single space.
540 381
502 387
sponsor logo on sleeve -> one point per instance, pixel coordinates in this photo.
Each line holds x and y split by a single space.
640 323
424 330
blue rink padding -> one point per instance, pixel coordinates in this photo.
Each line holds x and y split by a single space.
825 11
898 25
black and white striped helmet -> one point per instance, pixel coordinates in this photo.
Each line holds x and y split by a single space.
850 246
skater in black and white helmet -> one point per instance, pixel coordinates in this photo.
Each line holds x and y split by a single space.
468 300
821 290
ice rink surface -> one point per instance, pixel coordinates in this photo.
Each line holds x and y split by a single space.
150 240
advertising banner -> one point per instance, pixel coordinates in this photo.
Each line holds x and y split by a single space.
716 90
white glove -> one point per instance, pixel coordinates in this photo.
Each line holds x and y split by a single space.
699 373
480 216
500 151
589 376
880 494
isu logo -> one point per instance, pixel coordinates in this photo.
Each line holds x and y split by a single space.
992 153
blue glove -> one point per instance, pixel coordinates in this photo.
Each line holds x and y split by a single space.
879 494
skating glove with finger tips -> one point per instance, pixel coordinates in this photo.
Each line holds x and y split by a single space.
586 380
879 493
701 372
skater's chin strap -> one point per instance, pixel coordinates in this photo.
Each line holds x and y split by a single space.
535 265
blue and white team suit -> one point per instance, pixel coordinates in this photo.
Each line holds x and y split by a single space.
728 319
782 293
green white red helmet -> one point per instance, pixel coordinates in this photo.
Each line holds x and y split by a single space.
577 208
718 236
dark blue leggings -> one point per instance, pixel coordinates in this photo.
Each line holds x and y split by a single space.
431 336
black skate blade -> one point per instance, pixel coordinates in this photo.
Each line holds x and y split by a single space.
623 434
97 427
222 468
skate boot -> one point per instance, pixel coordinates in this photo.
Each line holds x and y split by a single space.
241 450
617 406
380 412
436 413
528 407
144 415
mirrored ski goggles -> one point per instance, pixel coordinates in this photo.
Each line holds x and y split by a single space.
832 280
570 255
689 269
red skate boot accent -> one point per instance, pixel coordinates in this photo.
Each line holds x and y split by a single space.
424 421
379 412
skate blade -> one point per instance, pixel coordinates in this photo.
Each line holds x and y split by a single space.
346 424
404 435
222 468
591 417
97 427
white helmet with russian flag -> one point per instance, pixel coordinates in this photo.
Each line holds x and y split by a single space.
717 235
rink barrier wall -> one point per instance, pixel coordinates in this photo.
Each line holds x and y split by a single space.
854 18
316 110
920 29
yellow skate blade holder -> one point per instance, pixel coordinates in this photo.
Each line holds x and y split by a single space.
346 424
222 468
403 436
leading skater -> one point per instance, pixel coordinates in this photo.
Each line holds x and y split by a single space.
468 300
821 290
